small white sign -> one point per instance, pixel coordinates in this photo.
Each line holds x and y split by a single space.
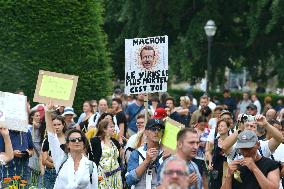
13 111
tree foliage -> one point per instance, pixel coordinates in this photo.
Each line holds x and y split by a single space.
250 31
61 36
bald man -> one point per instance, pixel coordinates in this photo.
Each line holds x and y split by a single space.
271 114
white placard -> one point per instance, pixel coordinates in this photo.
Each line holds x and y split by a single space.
13 111
146 65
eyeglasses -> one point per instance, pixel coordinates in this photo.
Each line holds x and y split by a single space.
140 123
155 129
78 139
178 172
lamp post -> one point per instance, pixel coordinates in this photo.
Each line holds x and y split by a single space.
210 30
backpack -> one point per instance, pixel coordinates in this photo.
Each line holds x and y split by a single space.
91 167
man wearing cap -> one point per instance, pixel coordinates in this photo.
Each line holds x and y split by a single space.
266 147
68 115
144 162
253 171
251 109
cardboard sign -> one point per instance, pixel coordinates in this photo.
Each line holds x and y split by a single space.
13 111
56 87
172 128
146 65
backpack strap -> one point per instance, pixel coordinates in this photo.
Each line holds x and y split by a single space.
64 161
91 168
260 151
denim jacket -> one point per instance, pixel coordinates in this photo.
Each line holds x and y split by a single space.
133 163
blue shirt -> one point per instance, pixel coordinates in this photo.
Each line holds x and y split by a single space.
133 163
80 119
18 166
132 111
192 167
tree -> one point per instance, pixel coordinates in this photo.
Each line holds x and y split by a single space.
250 31
61 36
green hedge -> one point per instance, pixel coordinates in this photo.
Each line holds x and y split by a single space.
61 36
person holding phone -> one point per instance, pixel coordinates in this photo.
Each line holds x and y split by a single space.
253 171
143 163
22 145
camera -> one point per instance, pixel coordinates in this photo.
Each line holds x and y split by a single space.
247 118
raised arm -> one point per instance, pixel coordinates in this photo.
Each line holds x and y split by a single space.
48 119
8 155
273 132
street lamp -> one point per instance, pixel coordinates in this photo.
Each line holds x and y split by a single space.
210 30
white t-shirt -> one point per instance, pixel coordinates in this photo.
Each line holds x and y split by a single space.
68 178
93 122
258 105
279 153
235 153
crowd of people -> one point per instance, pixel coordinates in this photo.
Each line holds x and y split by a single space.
116 143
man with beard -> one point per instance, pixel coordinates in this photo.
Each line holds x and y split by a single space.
253 171
174 175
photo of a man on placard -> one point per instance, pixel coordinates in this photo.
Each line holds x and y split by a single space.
147 55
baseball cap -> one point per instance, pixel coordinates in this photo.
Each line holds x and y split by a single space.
159 113
252 106
154 122
246 139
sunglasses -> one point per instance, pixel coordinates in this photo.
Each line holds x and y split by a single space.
78 139
155 129
178 172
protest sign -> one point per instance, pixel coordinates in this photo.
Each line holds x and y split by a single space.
13 111
56 87
172 128
146 65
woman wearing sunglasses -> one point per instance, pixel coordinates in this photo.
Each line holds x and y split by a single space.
71 165
106 154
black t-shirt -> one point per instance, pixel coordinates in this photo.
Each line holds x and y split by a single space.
121 118
249 181
45 146
84 125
